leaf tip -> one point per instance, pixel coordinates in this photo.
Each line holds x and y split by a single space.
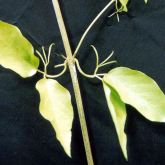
125 155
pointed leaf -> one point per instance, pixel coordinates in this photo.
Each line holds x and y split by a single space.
124 4
16 52
118 112
138 90
55 106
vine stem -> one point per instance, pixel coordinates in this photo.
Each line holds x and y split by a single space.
90 26
73 72
72 68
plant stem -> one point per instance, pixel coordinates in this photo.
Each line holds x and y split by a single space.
91 25
73 72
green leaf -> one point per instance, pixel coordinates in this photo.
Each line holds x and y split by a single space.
56 107
16 52
118 112
138 90
124 4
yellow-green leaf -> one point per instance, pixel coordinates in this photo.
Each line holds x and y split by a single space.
118 112
16 52
138 90
56 107
124 4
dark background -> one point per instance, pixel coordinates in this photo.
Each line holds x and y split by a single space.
139 43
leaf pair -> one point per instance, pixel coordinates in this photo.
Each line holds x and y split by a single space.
126 86
17 54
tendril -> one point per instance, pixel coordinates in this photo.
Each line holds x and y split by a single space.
118 10
46 60
49 52
98 65
42 59
44 54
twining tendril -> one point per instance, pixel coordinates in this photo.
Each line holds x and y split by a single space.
98 65
46 60
118 10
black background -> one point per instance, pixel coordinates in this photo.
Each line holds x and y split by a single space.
139 43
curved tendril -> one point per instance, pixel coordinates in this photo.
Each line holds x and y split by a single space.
88 75
56 75
97 55
97 59
116 5
112 53
103 63
118 10
46 59
49 52
61 73
81 71
107 63
44 54
42 59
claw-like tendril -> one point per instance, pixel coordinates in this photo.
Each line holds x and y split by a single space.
98 65
46 60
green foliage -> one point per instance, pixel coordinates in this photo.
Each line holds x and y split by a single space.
16 52
124 5
124 85
121 85
138 90
56 107
118 112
